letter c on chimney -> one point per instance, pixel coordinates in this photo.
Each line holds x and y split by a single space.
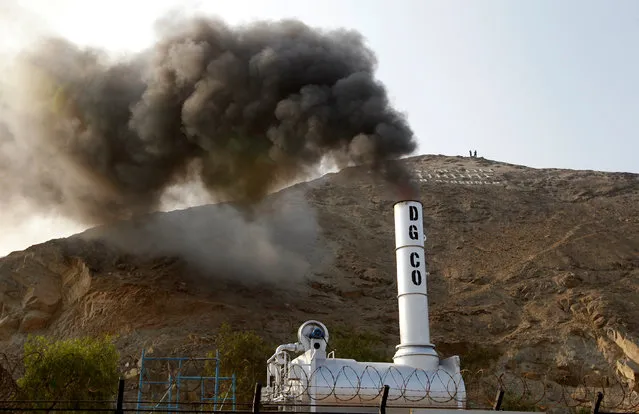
414 259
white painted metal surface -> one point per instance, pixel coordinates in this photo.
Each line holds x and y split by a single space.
348 382
417 378
313 378
415 349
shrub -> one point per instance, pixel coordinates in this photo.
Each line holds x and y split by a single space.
243 353
8 386
69 370
513 403
360 346
476 358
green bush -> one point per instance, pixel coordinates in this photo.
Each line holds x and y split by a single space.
8 386
519 403
69 370
476 358
360 346
243 353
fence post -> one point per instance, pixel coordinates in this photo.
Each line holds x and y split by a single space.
119 405
256 398
597 403
499 398
382 403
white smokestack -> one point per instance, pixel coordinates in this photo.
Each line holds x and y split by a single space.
415 349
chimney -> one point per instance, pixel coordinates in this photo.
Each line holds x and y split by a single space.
415 349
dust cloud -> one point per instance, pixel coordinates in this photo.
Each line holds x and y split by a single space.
243 109
233 112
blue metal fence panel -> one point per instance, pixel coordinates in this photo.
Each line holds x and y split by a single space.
170 400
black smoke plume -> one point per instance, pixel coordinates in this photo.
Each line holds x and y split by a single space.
242 109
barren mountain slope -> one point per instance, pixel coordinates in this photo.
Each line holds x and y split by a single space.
535 270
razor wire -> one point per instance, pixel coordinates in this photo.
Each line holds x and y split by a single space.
349 386
475 389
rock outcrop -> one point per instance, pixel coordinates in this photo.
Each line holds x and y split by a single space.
535 271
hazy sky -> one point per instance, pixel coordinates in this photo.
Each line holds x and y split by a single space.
544 83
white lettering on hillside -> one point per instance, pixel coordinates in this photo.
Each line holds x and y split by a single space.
467 176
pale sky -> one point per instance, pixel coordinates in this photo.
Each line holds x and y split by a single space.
543 83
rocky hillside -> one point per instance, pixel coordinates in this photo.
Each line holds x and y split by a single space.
532 270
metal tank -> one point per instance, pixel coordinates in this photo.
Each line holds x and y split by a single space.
416 378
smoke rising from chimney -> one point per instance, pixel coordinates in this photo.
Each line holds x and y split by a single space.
242 109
